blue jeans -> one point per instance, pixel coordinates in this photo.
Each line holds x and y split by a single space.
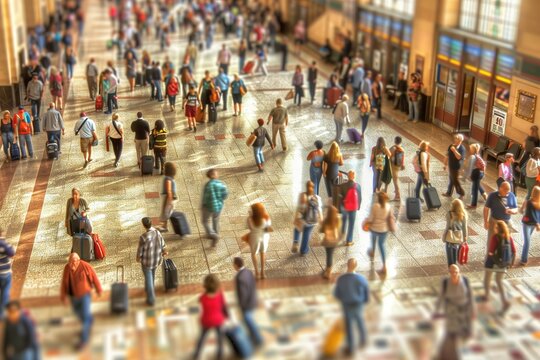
252 327
5 289
7 141
54 136
219 335
339 130
81 307
414 113
306 235
110 102
36 106
315 174
26 142
149 277
69 68
381 239
356 93
297 94
527 233
172 100
259 156
377 179
365 119
476 186
157 87
452 253
241 63
27 354
421 180
353 316
348 217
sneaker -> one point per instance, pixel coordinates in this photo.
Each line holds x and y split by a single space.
295 248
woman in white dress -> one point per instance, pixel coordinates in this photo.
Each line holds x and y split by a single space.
259 224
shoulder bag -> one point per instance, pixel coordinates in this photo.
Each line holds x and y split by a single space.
454 234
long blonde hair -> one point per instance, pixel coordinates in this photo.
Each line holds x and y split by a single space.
331 220
334 153
457 210
501 229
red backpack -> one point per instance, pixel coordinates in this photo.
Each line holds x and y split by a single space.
350 202
172 88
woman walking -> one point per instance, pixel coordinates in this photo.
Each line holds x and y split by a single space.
330 228
260 226
308 214
7 132
298 83
146 67
131 70
330 166
421 162
214 312
173 87
530 221
115 132
168 195
475 172
456 230
365 109
242 50
380 155
238 89
501 256
261 60
506 171
56 87
380 221
191 102
315 157
262 134
76 209
532 171
70 61
158 140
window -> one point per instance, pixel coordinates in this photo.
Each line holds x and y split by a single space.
402 6
493 18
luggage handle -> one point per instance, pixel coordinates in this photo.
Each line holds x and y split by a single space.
120 267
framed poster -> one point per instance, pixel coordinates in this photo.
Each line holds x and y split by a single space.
498 121
525 105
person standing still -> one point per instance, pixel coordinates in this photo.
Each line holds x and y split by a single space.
24 128
280 119
141 128
214 194
378 88
352 291
7 252
454 161
312 80
150 253
92 74
53 125
86 129
78 280
357 80
351 199
500 206
532 170
34 93
298 83
111 92
341 116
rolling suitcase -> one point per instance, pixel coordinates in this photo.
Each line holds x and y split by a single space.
139 79
200 115
413 207
15 152
170 275
180 224
83 245
52 150
354 135
334 339
37 126
239 341
212 113
332 96
99 103
431 196
248 68
147 165
119 294
99 248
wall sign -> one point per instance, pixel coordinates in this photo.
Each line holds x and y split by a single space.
444 47
498 121
525 105
456 50
504 68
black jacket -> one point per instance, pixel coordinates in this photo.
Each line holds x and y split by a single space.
156 73
246 291
312 75
261 134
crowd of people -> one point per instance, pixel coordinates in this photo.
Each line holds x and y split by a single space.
336 219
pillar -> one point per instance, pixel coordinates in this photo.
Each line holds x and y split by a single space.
35 10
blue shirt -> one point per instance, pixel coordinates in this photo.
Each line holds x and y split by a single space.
222 81
358 77
6 254
87 129
236 85
352 289
498 205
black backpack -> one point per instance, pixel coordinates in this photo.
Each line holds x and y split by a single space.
503 253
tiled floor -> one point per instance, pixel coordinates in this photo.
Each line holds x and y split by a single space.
36 192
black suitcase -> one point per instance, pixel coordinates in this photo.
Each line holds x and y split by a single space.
212 113
413 207
139 79
37 126
180 224
431 196
52 150
119 294
147 165
170 275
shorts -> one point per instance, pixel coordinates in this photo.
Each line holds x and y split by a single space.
237 98
191 111
86 143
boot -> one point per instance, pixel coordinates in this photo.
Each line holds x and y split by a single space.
327 272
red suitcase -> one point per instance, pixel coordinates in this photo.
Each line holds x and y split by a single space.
248 68
463 253
99 103
99 248
332 96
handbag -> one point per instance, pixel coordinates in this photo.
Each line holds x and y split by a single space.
289 95
243 90
251 139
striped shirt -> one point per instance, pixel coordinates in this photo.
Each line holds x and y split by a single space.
151 247
160 138
6 254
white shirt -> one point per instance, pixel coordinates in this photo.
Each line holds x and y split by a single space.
113 134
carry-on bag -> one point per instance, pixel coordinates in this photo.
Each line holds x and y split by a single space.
431 196
99 248
170 275
83 245
180 224
239 341
147 165
413 207
119 294
354 135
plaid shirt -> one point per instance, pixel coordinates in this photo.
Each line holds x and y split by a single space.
151 247
215 192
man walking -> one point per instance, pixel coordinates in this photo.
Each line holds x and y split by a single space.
78 280
24 128
246 293
377 95
224 59
341 116
214 194
53 125
366 85
222 82
7 252
351 199
141 128
150 254
34 93
280 119
111 92
20 339
352 291
454 161
357 80
86 129
156 80
92 74
500 205
312 80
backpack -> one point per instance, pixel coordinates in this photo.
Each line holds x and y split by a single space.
479 163
380 161
398 156
311 216
56 85
350 201
23 124
503 253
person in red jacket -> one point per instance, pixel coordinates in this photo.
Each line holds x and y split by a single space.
214 313
77 282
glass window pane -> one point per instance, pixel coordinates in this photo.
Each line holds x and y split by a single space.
498 19
467 19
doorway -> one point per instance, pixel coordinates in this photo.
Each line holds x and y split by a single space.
466 116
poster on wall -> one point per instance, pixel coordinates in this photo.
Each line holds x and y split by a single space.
498 121
377 60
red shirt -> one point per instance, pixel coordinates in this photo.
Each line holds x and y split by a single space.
495 241
213 310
